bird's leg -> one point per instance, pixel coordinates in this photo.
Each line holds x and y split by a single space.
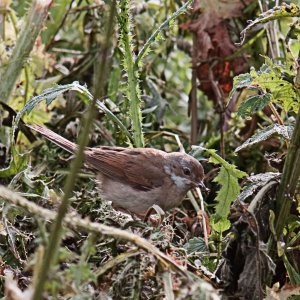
157 209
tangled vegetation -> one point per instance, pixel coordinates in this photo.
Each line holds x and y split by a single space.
194 76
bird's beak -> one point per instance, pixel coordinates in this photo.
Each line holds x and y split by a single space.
202 187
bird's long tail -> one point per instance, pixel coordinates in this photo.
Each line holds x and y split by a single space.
54 137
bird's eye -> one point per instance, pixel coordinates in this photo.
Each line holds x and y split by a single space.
186 171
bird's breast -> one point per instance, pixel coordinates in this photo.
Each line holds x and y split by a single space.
137 201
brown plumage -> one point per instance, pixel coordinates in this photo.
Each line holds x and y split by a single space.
135 179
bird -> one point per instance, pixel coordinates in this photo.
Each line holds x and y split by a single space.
136 179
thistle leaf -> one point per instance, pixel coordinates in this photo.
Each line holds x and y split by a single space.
18 163
264 134
228 180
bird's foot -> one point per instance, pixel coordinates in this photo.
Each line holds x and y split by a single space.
159 211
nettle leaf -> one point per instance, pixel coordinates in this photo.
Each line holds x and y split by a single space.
239 82
228 180
274 82
254 104
281 90
264 134
220 225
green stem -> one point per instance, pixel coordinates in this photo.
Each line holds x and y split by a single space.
289 181
101 66
3 13
291 171
26 89
56 232
115 119
133 90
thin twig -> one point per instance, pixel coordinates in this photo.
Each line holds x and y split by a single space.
203 218
194 202
193 95
275 113
221 107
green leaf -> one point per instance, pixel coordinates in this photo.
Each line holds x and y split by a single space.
220 225
195 244
272 222
277 12
54 23
80 273
17 164
268 79
264 134
114 83
256 182
230 189
293 274
241 81
253 104
228 180
275 83
49 95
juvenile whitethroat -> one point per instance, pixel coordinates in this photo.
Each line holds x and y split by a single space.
136 179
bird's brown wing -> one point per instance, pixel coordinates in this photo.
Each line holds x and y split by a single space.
126 166
145 173
121 164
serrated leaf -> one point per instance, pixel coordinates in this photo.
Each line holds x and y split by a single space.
281 90
195 244
240 81
256 182
253 104
51 94
229 191
265 68
216 159
264 134
17 164
228 180
220 225
270 79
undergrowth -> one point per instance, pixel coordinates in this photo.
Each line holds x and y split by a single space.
166 75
